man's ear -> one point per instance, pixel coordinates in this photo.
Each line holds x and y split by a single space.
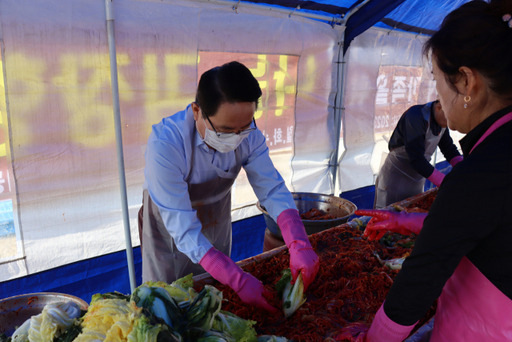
196 110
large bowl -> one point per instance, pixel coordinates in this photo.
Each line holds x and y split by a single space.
337 207
14 311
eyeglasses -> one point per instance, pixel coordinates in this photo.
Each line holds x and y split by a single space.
224 135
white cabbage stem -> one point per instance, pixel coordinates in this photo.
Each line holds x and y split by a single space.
43 327
63 314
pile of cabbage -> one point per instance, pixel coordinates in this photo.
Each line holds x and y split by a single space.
154 312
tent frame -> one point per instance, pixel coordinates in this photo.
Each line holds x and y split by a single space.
119 140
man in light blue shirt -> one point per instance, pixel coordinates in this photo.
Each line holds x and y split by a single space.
192 160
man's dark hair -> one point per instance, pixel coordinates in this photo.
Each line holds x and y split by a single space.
231 82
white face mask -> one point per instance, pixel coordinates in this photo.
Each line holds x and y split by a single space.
224 142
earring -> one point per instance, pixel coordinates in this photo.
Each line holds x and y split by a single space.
467 98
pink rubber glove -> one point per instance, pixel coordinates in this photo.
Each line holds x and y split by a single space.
302 256
455 160
436 177
383 329
249 289
397 222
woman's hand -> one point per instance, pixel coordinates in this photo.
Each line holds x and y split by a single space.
397 222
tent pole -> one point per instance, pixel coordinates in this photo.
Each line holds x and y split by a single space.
119 139
339 107
339 110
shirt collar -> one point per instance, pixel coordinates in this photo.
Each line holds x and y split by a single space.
472 137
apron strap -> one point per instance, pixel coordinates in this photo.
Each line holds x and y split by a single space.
498 123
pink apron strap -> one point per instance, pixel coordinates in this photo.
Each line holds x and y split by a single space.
503 120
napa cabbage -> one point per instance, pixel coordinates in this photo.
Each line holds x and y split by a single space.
49 324
234 327
292 294
108 320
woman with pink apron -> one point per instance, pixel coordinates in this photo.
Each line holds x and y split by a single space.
462 255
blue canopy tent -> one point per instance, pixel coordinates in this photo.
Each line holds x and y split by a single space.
114 271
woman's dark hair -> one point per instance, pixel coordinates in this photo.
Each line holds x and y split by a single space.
475 35
231 82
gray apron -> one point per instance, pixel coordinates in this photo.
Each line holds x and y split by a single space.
397 179
161 260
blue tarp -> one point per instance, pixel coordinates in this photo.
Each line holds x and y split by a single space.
419 16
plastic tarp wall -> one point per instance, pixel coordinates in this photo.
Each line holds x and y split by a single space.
58 130
385 69
386 74
60 200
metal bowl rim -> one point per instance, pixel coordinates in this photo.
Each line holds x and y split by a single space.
44 294
344 201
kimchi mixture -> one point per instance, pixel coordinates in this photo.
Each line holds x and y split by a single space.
350 286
